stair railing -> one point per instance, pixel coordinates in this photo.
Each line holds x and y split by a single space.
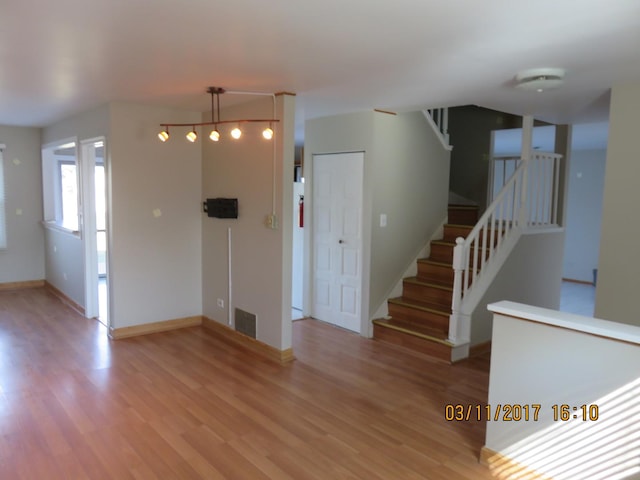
438 118
527 200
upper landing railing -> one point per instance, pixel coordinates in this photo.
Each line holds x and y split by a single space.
438 118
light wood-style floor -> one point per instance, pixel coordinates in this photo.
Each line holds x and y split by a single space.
185 404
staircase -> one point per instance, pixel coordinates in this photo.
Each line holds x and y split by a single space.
434 313
419 319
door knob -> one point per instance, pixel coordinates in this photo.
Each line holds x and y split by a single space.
340 241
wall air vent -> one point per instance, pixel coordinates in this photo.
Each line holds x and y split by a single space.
245 323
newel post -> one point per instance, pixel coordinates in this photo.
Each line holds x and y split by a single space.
459 267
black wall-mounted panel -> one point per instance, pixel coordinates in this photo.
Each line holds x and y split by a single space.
221 207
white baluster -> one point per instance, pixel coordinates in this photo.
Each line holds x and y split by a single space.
556 181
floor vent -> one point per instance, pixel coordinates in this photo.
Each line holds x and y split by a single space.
245 323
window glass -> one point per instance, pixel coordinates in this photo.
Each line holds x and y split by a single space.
69 194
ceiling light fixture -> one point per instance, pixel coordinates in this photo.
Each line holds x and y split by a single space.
540 79
236 133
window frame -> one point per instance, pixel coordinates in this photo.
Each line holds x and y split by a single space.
52 161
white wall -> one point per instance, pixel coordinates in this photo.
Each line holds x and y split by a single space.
23 260
584 214
545 364
65 263
90 124
154 261
618 263
405 177
260 256
532 274
155 256
410 184
64 251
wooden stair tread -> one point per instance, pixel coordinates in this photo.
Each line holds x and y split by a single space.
447 243
461 206
429 283
434 262
420 305
425 333
444 242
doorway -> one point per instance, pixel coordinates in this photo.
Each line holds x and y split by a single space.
297 264
94 228
337 238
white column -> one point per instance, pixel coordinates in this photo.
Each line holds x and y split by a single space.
525 154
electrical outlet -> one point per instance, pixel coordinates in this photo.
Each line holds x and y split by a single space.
221 303
272 221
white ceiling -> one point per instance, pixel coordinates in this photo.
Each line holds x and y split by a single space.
59 58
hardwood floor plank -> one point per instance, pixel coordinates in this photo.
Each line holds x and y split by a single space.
259 459
186 404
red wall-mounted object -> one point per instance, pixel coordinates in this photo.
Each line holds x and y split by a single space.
301 211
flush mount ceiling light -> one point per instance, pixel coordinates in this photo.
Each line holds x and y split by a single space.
540 79
236 133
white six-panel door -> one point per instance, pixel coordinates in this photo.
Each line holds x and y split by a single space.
337 245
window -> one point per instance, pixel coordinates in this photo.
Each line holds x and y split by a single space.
3 225
60 191
67 172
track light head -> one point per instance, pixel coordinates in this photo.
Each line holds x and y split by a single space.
236 133
164 135
267 133
192 136
214 135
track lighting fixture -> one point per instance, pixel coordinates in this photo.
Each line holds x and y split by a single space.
236 133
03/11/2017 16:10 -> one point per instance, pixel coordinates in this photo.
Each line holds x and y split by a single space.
516 412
